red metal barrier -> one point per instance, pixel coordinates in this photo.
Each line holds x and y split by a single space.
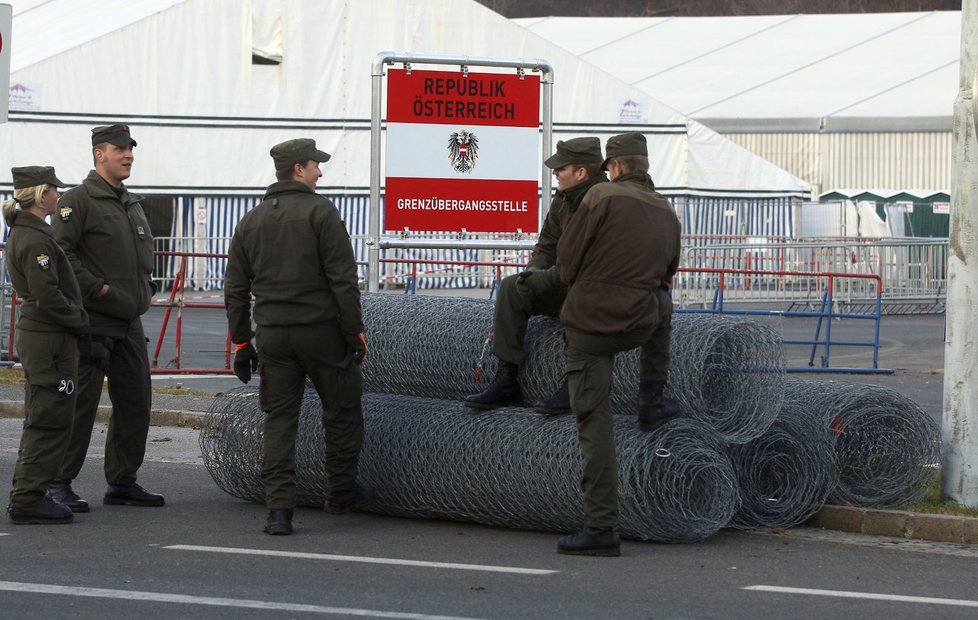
176 301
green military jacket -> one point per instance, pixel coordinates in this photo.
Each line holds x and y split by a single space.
562 209
108 241
42 277
623 244
293 253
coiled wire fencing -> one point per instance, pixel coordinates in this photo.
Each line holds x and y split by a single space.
510 467
752 451
726 371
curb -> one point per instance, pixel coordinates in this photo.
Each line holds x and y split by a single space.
871 521
157 417
897 523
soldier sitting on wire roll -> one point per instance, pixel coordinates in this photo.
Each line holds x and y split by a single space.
577 168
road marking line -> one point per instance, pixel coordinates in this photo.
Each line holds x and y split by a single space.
159 597
868 595
367 560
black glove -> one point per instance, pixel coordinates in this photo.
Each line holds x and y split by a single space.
359 345
245 361
537 283
95 350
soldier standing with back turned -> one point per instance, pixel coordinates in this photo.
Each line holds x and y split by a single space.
293 253
618 256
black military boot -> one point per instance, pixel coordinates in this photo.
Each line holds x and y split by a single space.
46 511
654 409
279 522
131 495
602 541
557 404
504 389
346 501
61 492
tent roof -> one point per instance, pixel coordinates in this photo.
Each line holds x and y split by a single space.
45 29
181 73
781 72
886 195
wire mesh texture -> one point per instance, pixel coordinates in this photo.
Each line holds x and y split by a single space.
509 467
726 371
786 474
887 449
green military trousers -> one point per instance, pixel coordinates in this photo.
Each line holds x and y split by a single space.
50 361
590 362
513 312
288 354
131 393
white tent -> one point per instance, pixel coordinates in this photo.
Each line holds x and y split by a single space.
191 78
814 93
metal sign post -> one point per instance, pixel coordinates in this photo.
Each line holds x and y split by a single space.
6 25
463 151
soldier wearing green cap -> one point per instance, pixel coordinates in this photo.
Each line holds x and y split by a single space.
538 290
51 320
293 253
618 256
103 230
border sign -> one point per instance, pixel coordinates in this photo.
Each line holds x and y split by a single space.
6 25
463 151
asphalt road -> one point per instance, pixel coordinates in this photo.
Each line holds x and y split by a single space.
204 556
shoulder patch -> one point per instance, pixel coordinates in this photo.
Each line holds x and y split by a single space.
64 213
43 261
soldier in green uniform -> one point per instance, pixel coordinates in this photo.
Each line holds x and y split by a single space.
618 256
50 322
577 168
293 253
103 231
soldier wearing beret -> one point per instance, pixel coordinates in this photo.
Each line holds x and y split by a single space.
618 256
293 253
538 290
50 322
103 231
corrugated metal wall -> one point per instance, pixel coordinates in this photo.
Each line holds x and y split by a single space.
911 160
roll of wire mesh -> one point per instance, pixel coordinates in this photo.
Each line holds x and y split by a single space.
726 371
887 449
510 467
786 474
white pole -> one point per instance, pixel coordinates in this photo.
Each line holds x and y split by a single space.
960 429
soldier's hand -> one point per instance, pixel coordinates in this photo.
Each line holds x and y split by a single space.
537 283
245 361
360 347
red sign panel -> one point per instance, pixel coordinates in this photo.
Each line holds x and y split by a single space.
463 152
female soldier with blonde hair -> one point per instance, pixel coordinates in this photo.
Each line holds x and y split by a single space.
51 319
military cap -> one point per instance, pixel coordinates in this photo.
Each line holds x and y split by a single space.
575 151
32 176
623 145
297 151
113 134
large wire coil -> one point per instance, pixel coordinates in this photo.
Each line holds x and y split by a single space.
726 371
511 467
887 449
786 474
